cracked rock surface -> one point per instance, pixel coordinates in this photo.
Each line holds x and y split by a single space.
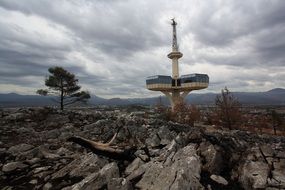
35 154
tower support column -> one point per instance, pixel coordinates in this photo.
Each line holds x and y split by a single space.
175 70
175 97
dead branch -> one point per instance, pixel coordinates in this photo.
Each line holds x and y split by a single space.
105 149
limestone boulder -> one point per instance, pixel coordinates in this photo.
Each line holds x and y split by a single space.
100 179
254 175
119 184
219 179
183 173
80 167
212 158
14 166
133 166
278 174
20 148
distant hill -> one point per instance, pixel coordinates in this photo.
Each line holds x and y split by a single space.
272 97
17 100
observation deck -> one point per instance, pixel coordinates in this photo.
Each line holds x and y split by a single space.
184 83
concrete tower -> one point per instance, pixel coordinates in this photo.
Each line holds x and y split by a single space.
175 54
176 88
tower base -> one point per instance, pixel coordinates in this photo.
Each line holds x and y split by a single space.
175 97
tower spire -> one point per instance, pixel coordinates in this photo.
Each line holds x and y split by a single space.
175 54
174 39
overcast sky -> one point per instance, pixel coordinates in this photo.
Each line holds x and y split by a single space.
112 46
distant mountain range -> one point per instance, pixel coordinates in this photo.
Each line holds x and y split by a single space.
272 97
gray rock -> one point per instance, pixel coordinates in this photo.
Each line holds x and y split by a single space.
92 181
47 186
173 146
7 188
67 128
48 155
183 173
20 148
65 135
150 172
28 130
12 166
119 184
212 156
267 150
165 135
40 169
278 174
136 174
99 179
44 174
53 134
175 166
154 152
280 154
137 114
133 166
141 155
30 154
67 188
33 161
136 131
15 116
33 181
91 126
58 119
219 179
63 152
188 168
81 167
153 141
110 171
254 175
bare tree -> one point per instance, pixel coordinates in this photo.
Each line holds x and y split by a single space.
184 113
228 109
276 120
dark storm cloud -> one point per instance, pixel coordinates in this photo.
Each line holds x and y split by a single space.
15 63
260 23
113 45
219 24
117 28
270 45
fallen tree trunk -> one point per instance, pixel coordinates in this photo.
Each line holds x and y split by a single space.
106 150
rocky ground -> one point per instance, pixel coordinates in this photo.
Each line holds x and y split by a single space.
35 153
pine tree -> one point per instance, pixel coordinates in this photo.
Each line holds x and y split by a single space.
63 84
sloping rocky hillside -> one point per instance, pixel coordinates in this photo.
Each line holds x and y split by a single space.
35 153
